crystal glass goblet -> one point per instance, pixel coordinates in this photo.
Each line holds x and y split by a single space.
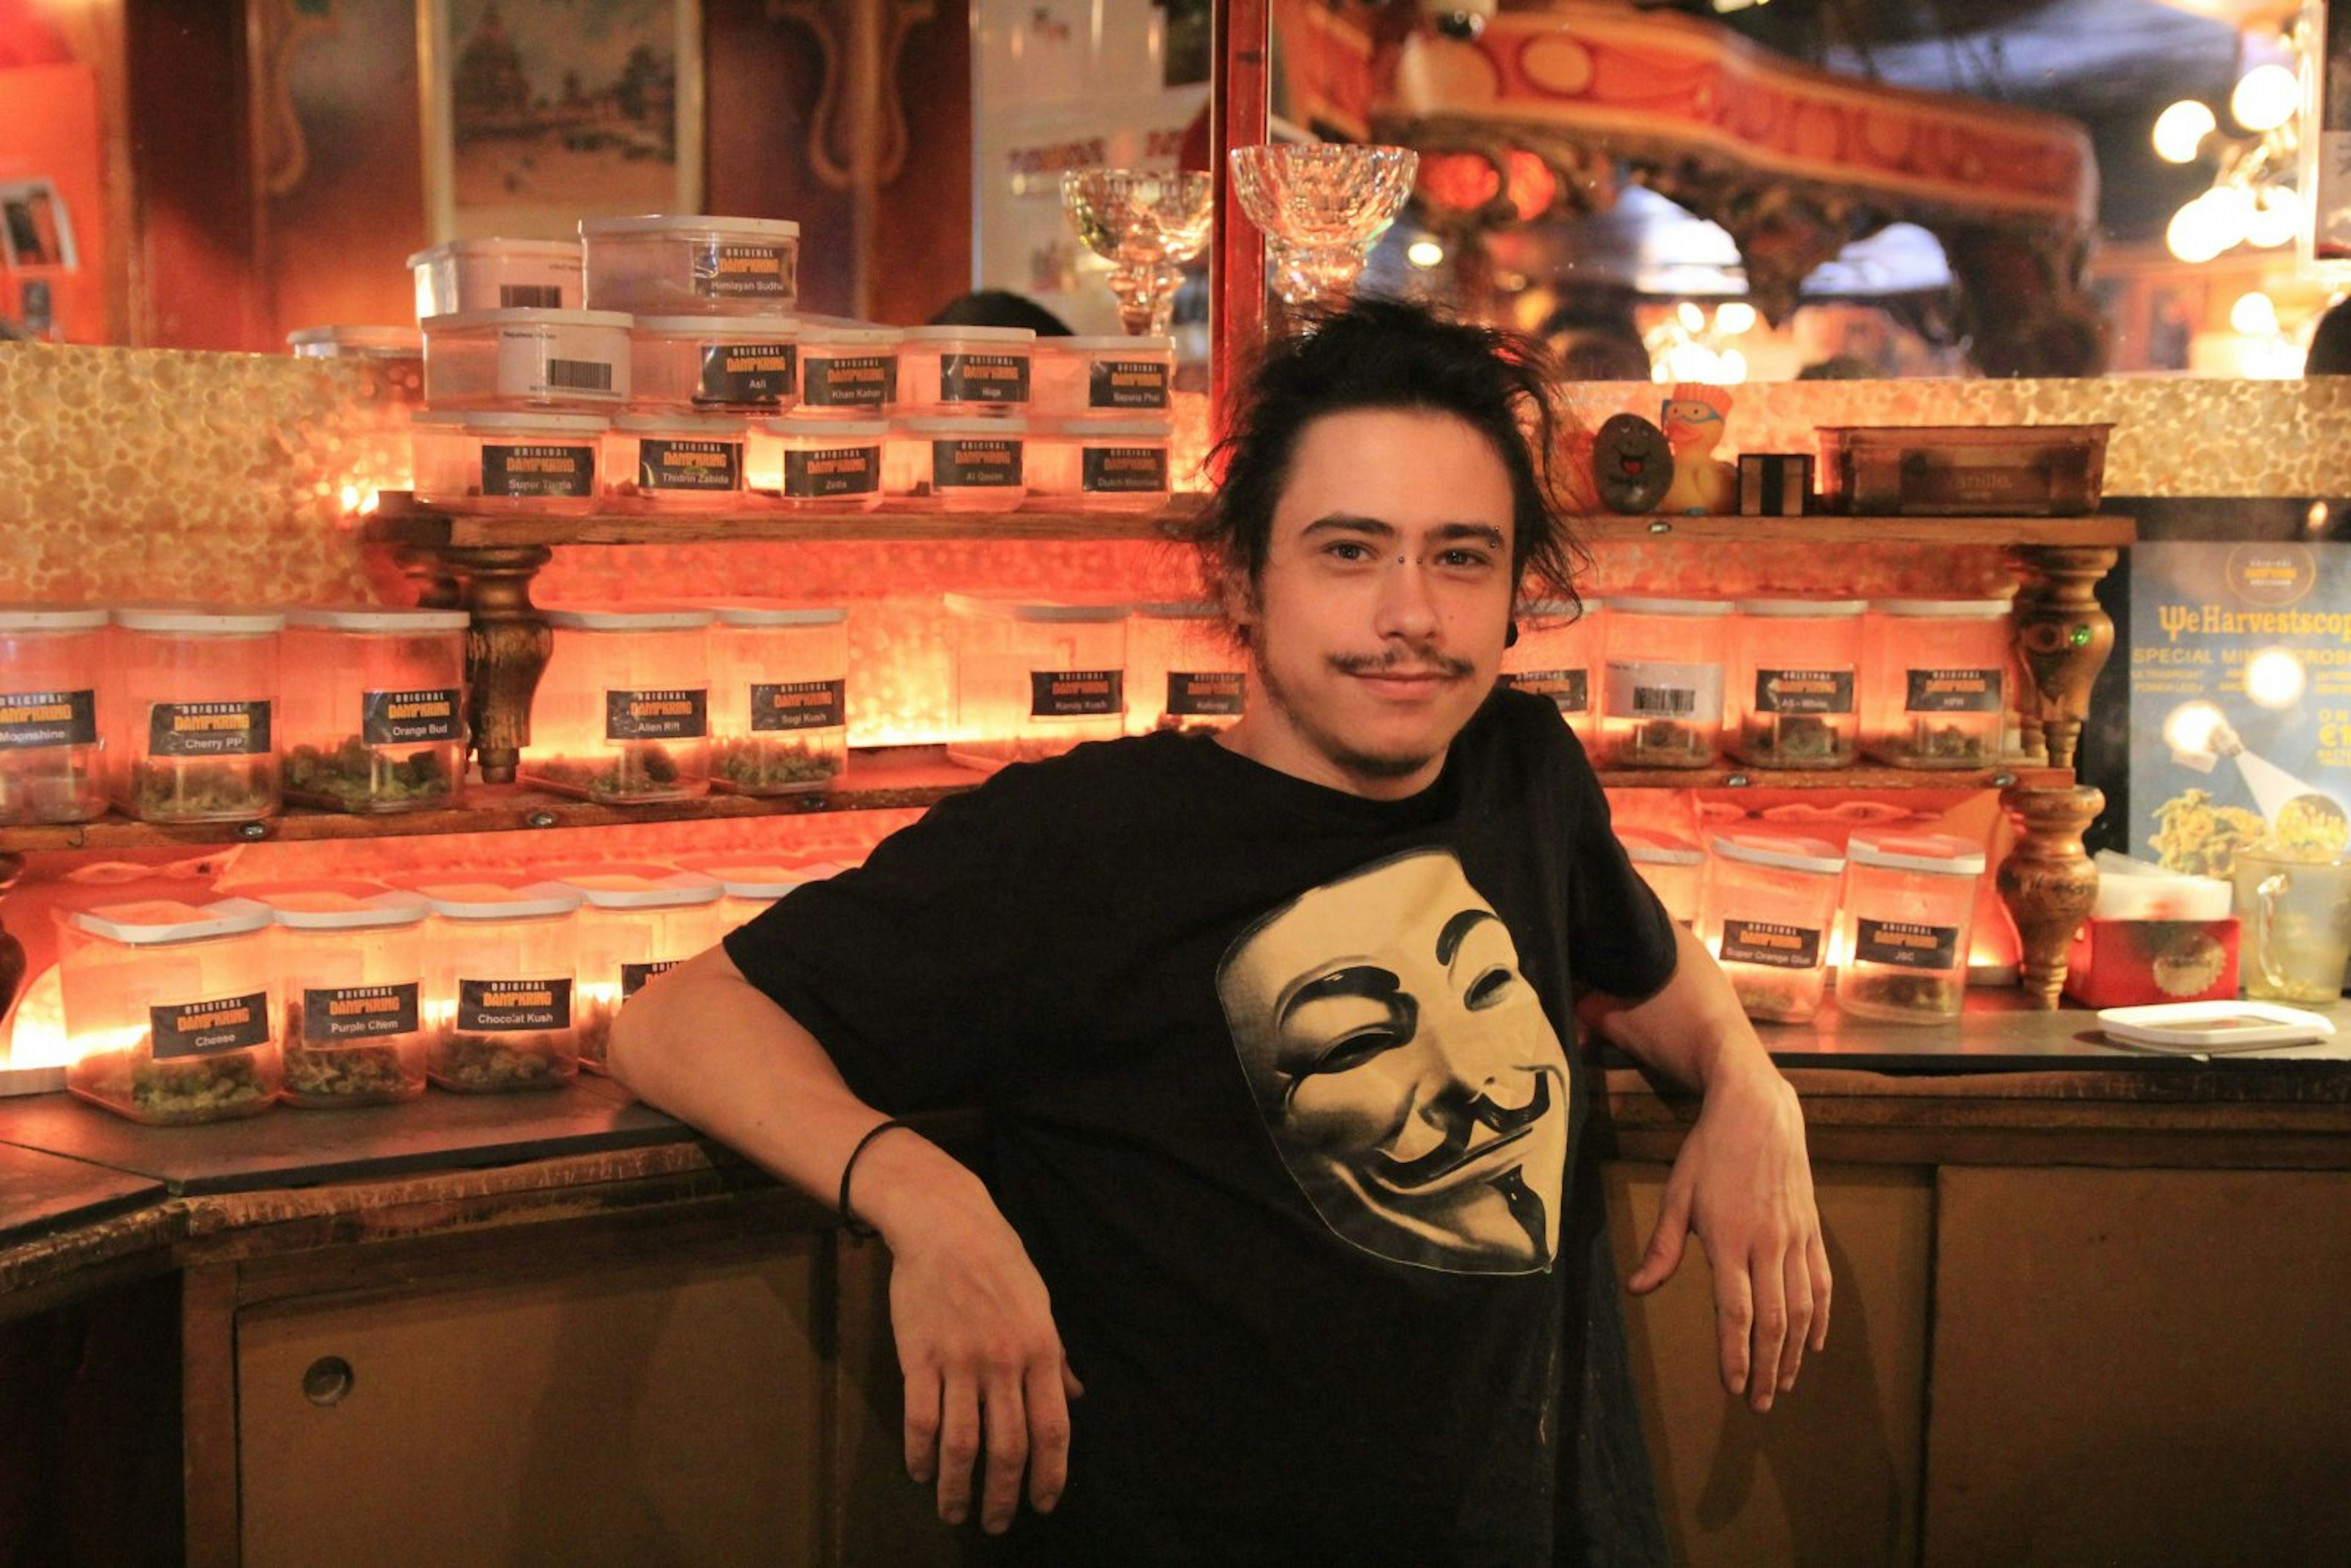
1147 225
1321 207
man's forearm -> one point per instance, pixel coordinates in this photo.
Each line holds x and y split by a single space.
1693 1030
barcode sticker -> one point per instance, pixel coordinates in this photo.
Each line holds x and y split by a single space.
530 297
1649 688
579 375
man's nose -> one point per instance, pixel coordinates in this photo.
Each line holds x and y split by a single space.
1406 606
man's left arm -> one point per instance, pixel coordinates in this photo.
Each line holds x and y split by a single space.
1743 1180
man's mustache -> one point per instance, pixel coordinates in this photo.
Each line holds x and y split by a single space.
1418 660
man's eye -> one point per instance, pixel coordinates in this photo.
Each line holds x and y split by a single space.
1465 559
1488 989
1350 551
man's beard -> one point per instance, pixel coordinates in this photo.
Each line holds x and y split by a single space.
1363 764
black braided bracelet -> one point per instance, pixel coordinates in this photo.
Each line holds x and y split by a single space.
849 1221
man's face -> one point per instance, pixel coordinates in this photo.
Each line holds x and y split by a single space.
1377 622
1404 1067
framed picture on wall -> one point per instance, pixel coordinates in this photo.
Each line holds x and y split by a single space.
2326 134
538 115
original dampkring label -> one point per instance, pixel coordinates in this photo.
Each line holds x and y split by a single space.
1121 470
1206 693
352 1015
673 464
208 729
1570 690
411 718
539 472
975 463
1904 945
1954 691
634 976
198 1028
680 714
1772 945
747 375
850 380
800 705
47 718
832 471
1076 694
1804 691
492 1007
1127 384
983 377
747 271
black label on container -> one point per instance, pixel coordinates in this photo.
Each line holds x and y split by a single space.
1570 690
47 718
1206 693
800 705
1904 945
667 465
1954 691
1127 384
199 1028
1076 694
1115 470
540 473
678 715
850 380
634 976
1804 691
832 471
348 1015
754 375
747 271
530 297
975 463
208 729
411 718
494 1007
983 377
1770 945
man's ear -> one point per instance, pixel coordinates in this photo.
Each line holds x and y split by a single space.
1237 597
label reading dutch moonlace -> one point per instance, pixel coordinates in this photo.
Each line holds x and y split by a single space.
1804 691
832 471
850 380
47 718
799 704
208 729
634 976
538 472
1904 945
1076 694
347 1015
411 718
197 1028
745 271
983 377
1115 470
678 715
973 462
666 464
494 1007
752 375
1206 693
1127 384
1953 691
1770 945
1570 690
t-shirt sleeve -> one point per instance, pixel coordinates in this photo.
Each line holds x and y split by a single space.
1622 939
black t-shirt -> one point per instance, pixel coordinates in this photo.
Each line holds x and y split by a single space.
1279 1105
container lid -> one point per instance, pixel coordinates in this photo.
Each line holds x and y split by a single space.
338 906
747 877
1671 606
995 607
751 327
509 419
566 248
1950 608
1794 609
833 335
667 618
1943 854
41 618
1084 430
815 427
375 618
665 223
641 886
464 320
1012 427
1112 344
215 620
1012 337
499 901
750 612
402 342
698 427
1179 609
158 920
1783 851
1648 847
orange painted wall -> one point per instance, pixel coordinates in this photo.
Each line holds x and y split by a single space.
49 132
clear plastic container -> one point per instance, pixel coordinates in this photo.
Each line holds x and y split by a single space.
170 1010
51 752
1102 375
350 971
378 454
849 371
527 358
1097 464
1795 686
1935 681
1184 670
194 710
463 275
1035 677
373 719
957 464
622 712
965 369
500 967
1769 909
637 921
1674 868
1909 899
779 695
674 463
734 364
1661 701
751 882
696 265
494 461
816 461
1557 656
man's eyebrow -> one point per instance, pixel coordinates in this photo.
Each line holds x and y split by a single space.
1368 981
1456 930
1353 524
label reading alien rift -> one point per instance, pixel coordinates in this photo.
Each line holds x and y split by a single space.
494 1007
208 729
1127 384
1774 945
1954 691
1076 694
198 1028
411 718
1206 693
1804 691
541 472
975 463
747 375
683 713
1570 690
850 380
348 1015
983 377
1121 470
1904 945
799 704
747 271
832 471
47 718
668 465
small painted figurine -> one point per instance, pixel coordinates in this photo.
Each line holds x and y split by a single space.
1693 418
1631 465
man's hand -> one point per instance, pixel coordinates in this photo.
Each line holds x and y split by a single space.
1743 1183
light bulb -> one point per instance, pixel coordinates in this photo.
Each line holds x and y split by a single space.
1735 318
2276 218
1692 318
2180 130
2254 315
2194 234
1424 254
2266 96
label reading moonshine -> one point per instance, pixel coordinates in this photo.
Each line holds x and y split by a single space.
800 705
351 1015
1127 384
538 472
1770 945
975 463
494 1007
634 976
411 718
1804 691
670 465
47 718
745 271
850 380
198 1028
983 377
1121 470
1904 945
683 713
832 471
1076 694
749 375
1206 693
1954 691
208 729
1570 690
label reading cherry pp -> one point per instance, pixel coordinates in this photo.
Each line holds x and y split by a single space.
671 464
745 271
850 380
983 377
47 718
411 718
208 729
1206 693
800 705
832 471
1904 945
1804 691
198 1028
1127 384
1954 691
1121 470
634 976
973 462
1076 694
539 473
747 375
1770 945
1570 690
348 1015
497 1007
679 714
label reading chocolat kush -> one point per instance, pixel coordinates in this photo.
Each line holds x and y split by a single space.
1770 945
1804 691
47 718
1205 694
745 271
348 1015
983 377
1127 384
197 1028
1076 694
1953 691
411 718
799 704
494 1007
1570 690
208 729
850 380
682 714
539 472
1114 470
666 464
754 375
1904 945
975 463
832 471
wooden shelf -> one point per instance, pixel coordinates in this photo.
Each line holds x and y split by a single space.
2091 531
1851 780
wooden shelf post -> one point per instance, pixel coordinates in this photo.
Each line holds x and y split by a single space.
2048 881
2062 636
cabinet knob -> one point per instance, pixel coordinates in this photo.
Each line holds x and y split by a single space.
327 1379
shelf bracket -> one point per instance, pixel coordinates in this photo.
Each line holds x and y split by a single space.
506 647
2048 882
2062 638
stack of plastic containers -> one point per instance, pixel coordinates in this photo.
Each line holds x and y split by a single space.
1099 438
959 441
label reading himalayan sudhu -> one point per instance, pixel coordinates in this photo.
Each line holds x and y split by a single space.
208 729
1206 693
1769 945
1570 690
850 380
494 1007
1115 470
411 718
975 463
1904 945
540 473
983 377
1953 691
799 704
350 1015
1076 694
747 375
1127 384
683 713
1804 691
832 471
671 464
198 1028
745 271
47 718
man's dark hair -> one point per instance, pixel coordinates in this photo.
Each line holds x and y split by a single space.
1388 354
999 307
2330 343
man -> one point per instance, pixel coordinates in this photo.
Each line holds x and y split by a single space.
1270 1027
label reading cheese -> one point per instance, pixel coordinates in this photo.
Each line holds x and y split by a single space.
353 1015
208 729
676 713
1076 694
199 1028
30 719
411 718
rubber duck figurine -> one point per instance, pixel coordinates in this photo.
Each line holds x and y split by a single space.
1693 418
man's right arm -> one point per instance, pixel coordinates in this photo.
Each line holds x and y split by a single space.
974 1327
